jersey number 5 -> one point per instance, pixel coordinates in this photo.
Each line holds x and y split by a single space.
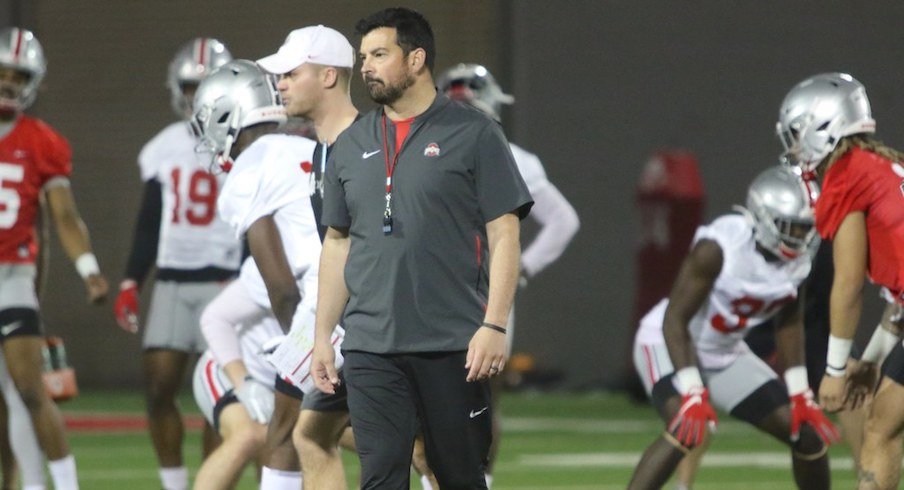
744 308
9 198
202 195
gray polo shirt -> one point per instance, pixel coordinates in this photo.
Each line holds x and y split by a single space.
423 287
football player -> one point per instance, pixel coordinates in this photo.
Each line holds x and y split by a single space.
195 253
742 270
826 125
233 387
236 111
473 84
36 163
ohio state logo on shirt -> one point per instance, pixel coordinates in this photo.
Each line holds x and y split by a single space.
431 150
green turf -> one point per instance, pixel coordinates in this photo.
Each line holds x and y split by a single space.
551 441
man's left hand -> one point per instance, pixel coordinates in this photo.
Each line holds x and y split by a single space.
486 354
97 288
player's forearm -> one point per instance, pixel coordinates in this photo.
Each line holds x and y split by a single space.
70 228
504 260
266 246
236 372
222 340
145 240
332 293
678 341
789 341
845 304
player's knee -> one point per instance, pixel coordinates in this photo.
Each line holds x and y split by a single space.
878 429
34 397
248 439
809 445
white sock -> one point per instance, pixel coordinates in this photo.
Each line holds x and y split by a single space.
425 483
489 478
34 487
280 479
174 477
63 474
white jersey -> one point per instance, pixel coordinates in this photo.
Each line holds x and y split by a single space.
191 234
748 291
531 169
557 218
268 179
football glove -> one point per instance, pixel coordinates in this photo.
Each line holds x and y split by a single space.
126 306
805 410
257 400
695 415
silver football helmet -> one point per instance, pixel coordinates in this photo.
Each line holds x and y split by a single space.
475 85
818 112
235 96
780 208
20 50
194 61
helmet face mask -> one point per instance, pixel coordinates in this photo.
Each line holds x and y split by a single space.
194 61
233 97
473 84
817 113
780 208
20 51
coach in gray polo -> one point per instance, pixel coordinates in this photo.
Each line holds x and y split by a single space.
423 200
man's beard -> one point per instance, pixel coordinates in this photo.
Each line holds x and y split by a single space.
388 94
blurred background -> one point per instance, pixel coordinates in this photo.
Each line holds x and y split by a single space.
600 86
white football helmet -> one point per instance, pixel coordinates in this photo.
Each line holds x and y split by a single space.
818 112
475 85
20 50
194 61
235 96
780 208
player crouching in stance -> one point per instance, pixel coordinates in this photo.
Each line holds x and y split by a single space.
689 350
264 199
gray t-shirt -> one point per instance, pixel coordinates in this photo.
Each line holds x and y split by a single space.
423 287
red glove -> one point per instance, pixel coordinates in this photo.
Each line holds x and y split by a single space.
690 423
805 410
126 307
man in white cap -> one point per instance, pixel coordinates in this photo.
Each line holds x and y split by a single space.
314 67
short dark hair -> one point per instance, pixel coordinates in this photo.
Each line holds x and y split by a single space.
412 30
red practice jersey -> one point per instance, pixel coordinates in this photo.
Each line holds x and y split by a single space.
864 181
31 154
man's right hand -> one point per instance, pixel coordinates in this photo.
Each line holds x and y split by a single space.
323 367
126 306
693 418
831 393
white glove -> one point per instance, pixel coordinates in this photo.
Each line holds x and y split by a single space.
257 399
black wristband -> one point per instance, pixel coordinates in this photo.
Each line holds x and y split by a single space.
493 327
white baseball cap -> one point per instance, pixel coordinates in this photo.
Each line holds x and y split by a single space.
315 44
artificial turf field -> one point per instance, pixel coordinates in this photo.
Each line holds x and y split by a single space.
567 441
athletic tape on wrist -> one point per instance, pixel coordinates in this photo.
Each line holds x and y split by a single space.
688 379
86 265
837 355
796 380
880 344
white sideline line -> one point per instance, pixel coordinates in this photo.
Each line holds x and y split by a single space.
713 460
